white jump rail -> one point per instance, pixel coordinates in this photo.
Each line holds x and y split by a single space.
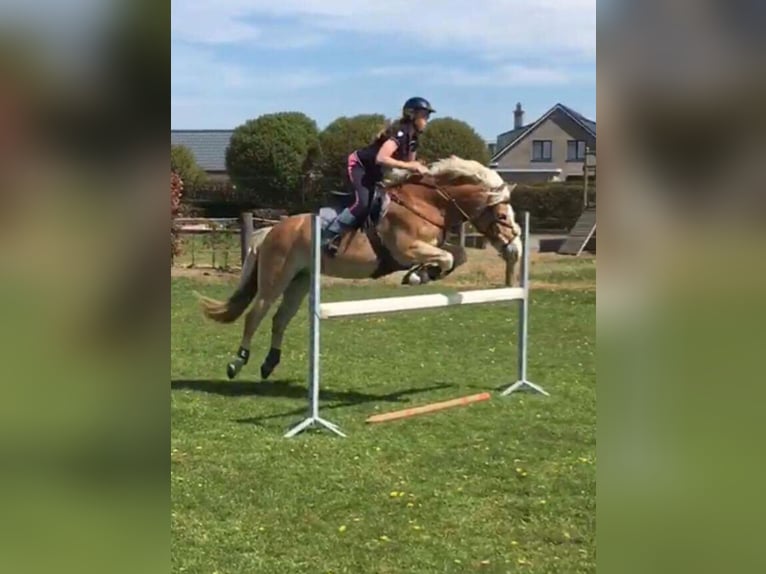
392 304
319 311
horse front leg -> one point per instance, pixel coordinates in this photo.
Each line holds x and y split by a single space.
459 256
513 262
430 262
425 272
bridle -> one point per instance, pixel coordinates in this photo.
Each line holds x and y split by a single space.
465 216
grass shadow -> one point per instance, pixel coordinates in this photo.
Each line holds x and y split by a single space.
289 388
294 389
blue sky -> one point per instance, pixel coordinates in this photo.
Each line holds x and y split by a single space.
236 59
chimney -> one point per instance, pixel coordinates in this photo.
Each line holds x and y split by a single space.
518 117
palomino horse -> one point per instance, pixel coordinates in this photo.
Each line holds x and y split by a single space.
408 233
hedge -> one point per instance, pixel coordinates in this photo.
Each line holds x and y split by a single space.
214 191
551 206
223 199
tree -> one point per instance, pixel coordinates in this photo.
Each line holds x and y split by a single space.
339 139
183 162
273 157
446 136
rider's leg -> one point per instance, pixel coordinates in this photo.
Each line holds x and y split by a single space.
350 217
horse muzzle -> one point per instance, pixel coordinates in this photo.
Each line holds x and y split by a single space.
510 252
506 249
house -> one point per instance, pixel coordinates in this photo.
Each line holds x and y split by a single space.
208 147
552 148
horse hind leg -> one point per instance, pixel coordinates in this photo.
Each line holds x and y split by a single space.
269 289
253 320
291 302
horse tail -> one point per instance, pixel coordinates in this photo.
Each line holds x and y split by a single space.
228 311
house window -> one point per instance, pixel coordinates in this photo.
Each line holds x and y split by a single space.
542 150
575 150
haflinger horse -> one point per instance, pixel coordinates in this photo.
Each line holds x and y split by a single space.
406 230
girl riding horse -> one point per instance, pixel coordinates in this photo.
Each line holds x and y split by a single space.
394 147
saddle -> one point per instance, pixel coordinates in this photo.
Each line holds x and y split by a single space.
339 200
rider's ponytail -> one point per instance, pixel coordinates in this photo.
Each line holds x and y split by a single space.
390 128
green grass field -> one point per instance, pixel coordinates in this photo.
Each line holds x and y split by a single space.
506 485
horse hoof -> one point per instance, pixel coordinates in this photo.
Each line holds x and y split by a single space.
270 363
232 370
412 279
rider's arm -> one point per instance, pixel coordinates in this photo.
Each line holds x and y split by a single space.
385 153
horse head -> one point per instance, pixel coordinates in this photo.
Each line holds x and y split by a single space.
482 198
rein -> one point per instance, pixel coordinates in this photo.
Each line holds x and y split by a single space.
444 195
396 199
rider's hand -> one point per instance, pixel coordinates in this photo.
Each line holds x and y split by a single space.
419 168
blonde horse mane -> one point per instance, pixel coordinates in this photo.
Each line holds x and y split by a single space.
453 168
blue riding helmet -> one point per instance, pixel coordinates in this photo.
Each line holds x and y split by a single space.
414 104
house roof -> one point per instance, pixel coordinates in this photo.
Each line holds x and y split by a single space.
511 135
510 132
514 136
589 125
208 146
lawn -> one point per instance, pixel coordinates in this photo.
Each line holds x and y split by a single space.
505 485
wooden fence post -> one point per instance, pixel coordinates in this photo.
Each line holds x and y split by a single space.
245 233
461 234
585 180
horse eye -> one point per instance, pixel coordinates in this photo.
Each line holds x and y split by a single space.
502 216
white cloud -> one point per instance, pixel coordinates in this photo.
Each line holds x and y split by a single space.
198 72
516 75
539 28
278 39
513 44
510 75
211 22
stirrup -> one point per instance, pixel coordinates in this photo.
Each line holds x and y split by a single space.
332 246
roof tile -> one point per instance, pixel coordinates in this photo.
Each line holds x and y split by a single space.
208 146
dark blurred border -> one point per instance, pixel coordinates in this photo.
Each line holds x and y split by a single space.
84 288
681 115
